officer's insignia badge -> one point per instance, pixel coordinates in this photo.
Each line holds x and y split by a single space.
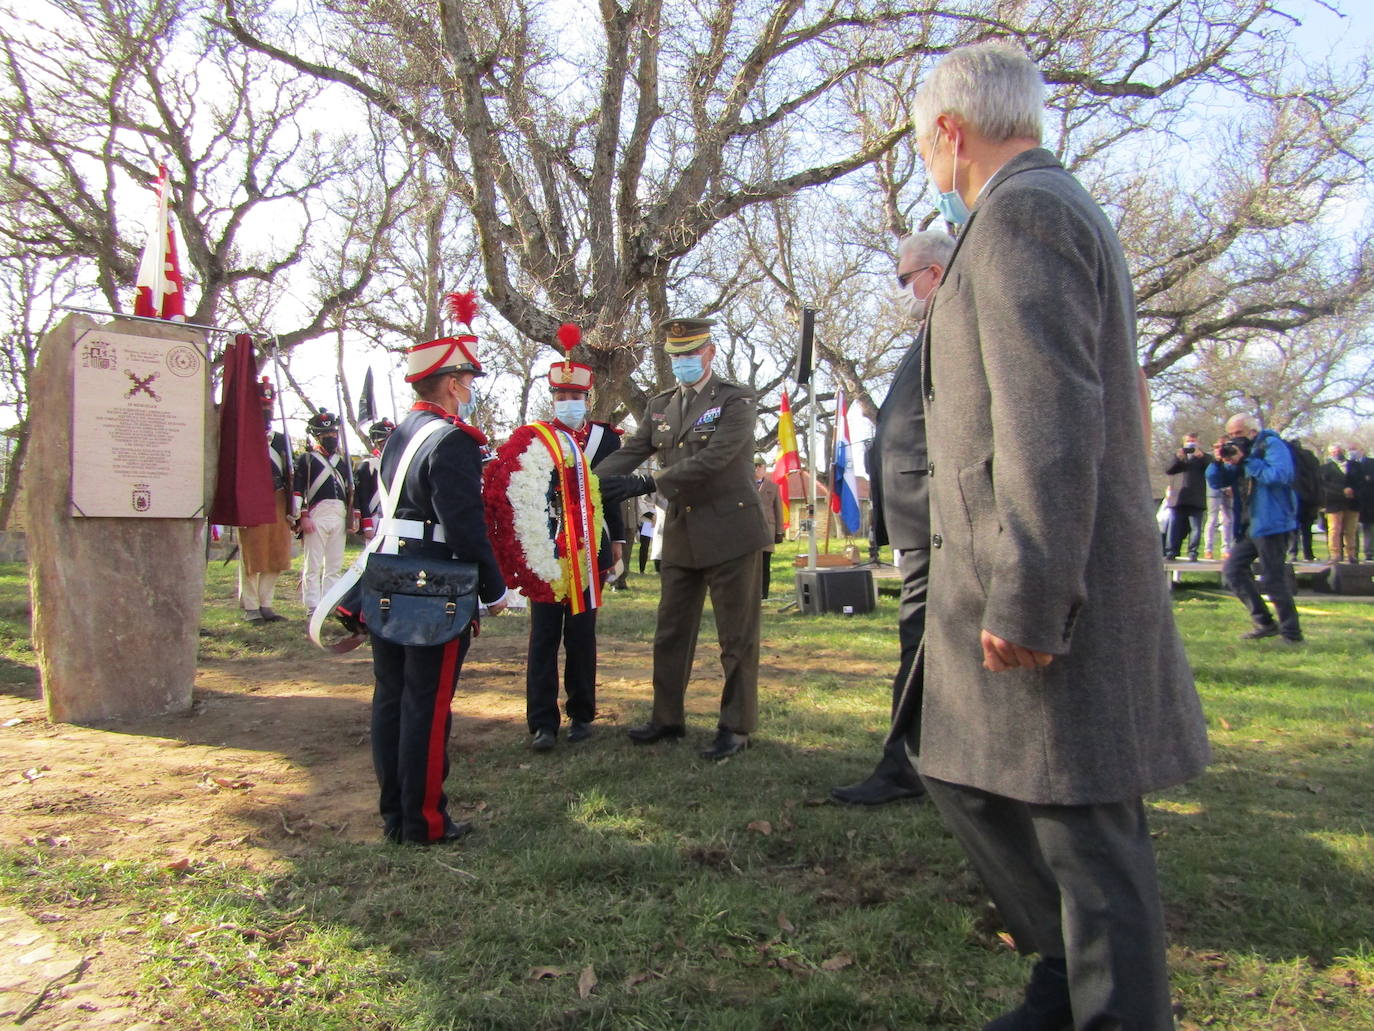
677 329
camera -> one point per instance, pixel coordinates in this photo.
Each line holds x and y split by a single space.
1236 446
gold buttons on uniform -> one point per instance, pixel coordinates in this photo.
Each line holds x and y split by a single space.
689 508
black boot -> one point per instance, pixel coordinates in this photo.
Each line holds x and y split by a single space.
1046 1006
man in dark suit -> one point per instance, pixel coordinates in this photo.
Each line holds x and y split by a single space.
897 468
1054 697
771 500
702 432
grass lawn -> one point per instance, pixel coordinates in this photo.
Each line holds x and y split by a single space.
622 887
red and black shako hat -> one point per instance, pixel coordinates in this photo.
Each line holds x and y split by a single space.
448 354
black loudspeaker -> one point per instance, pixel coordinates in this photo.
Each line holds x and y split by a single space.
808 329
1355 578
847 591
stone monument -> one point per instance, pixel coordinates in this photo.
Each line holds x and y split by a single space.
119 474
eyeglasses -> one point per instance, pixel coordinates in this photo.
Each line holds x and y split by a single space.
903 278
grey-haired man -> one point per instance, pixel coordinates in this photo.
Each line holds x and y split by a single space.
1057 691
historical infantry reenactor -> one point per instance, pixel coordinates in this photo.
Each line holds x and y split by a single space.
714 530
438 514
562 611
322 483
367 502
265 551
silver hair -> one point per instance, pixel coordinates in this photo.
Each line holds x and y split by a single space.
993 86
1244 421
932 247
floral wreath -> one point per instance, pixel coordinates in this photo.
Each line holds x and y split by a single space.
523 518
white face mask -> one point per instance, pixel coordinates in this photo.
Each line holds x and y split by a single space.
570 413
912 306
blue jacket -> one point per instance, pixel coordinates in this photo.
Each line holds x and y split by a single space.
1262 487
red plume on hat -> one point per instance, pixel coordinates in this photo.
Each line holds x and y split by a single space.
462 305
569 336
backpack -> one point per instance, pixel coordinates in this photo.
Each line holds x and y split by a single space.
1307 474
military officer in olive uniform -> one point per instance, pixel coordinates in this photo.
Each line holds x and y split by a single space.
714 530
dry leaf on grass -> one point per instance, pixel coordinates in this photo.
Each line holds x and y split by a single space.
760 827
838 962
784 924
586 981
179 865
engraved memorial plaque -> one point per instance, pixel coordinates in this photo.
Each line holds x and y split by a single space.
138 426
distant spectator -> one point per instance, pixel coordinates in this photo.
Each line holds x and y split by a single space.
1187 497
1362 481
1341 507
1308 488
646 538
1219 523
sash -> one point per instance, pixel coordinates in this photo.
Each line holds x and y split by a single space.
575 542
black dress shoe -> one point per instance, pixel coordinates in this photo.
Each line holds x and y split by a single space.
878 789
269 616
544 740
1046 1006
648 733
726 744
579 731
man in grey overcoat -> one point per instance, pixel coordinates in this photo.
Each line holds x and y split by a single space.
1057 691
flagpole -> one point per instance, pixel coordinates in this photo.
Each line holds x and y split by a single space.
811 454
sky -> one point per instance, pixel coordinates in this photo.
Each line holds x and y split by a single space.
1322 36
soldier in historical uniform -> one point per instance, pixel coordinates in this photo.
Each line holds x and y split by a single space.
570 619
438 514
265 551
367 500
714 531
322 484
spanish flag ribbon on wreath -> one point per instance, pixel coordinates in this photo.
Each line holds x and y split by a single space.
544 515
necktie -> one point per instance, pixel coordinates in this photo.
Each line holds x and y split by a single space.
684 405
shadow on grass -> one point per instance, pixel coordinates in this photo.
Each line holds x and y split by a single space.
1271 856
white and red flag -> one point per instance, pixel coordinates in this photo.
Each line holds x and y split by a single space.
161 293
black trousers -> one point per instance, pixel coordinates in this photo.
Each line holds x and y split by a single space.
1272 552
1184 521
765 571
644 543
905 731
411 719
1078 882
550 624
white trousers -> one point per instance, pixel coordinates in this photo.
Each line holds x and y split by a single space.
324 550
255 589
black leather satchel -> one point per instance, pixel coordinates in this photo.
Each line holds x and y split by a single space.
418 602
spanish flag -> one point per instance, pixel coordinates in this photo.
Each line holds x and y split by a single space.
788 459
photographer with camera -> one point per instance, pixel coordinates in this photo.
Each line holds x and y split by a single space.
1187 497
1258 467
